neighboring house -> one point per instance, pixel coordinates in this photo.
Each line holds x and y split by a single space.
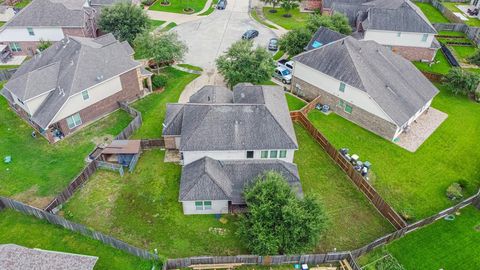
365 83
322 37
75 82
14 257
226 139
398 24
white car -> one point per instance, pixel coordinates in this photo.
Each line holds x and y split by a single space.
283 74
286 64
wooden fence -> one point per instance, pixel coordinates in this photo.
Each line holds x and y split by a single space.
110 166
152 143
134 125
380 204
57 220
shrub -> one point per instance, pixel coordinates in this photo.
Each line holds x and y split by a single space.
159 81
454 191
294 42
475 58
461 82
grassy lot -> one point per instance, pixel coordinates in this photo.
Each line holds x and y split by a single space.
39 170
257 18
451 33
20 229
278 55
142 209
441 65
452 6
154 24
169 26
8 67
177 6
153 107
463 52
445 245
22 3
210 10
415 183
297 20
294 103
353 221
433 14
191 67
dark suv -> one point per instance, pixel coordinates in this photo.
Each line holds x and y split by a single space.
222 4
250 34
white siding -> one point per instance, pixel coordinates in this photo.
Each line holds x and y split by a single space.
21 34
97 93
331 85
413 118
218 207
191 156
405 39
34 103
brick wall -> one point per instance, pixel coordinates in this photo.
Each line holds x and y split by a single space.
358 116
76 32
415 53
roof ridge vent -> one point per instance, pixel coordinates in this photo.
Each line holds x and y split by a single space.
99 78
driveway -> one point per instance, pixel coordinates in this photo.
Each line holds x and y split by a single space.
209 37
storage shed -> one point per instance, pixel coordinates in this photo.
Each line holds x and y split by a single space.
121 151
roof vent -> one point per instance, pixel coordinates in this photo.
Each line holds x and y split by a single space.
242 95
61 92
99 77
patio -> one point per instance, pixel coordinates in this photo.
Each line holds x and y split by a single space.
14 61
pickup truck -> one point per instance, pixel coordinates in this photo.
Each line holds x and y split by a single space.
286 64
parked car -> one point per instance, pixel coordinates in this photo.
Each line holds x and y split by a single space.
222 4
286 64
283 74
273 44
250 34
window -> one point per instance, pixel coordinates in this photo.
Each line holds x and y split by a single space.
342 87
341 103
273 154
203 205
348 108
207 205
15 47
399 34
74 121
30 31
85 95
424 37
198 205
283 154
264 154
249 154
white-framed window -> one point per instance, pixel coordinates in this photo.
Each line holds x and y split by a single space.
250 154
30 31
424 37
348 108
203 205
399 34
273 154
342 87
15 47
282 154
264 154
85 95
74 121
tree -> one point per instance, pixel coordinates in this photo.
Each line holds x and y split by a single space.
461 82
475 58
278 222
295 41
243 63
43 45
336 22
162 47
274 3
125 21
288 5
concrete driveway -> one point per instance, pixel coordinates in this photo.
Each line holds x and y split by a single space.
209 37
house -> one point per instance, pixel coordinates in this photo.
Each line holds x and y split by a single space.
51 20
365 83
75 82
15 257
322 37
398 24
225 140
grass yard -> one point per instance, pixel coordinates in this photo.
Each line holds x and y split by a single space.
442 67
153 107
154 24
353 221
177 6
463 52
39 171
415 183
294 103
452 6
447 245
191 67
451 33
257 18
297 20
28 231
433 14
22 3
169 26
142 209
278 55
210 10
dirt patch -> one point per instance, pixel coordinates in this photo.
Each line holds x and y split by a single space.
103 140
30 197
477 228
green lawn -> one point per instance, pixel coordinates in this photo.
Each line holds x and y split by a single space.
447 245
278 55
154 24
8 67
441 65
297 20
257 18
353 221
177 6
463 52
153 106
210 10
415 183
142 209
39 170
28 231
169 26
294 103
191 67
22 3
433 14
452 6
451 33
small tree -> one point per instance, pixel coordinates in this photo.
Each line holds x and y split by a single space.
462 82
278 222
475 58
295 41
288 5
125 21
163 48
243 63
43 45
337 22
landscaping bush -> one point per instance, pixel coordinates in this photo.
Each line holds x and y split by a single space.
125 21
462 82
454 191
337 22
294 42
159 81
474 58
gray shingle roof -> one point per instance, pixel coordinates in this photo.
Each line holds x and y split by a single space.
262 123
393 82
67 68
210 179
322 37
14 257
107 2
212 94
